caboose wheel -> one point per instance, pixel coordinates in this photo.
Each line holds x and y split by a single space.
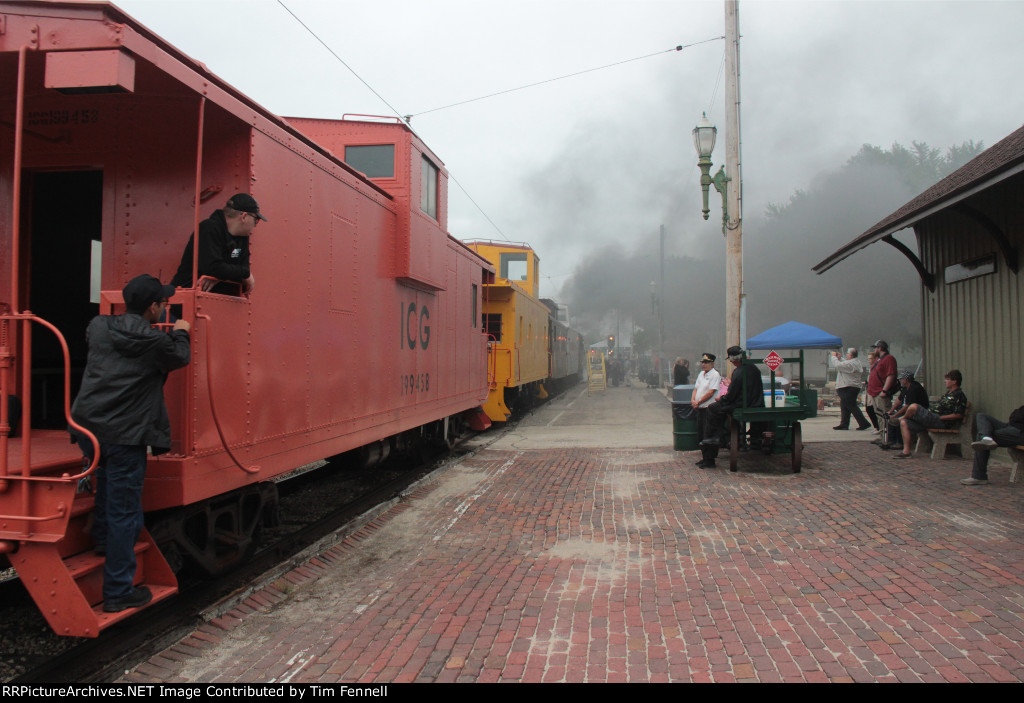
216 535
798 447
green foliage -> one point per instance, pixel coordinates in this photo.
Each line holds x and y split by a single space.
918 167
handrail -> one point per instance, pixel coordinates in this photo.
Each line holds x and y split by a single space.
492 370
209 392
62 510
26 466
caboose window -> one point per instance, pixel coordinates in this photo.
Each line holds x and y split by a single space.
375 160
492 325
472 318
513 267
428 188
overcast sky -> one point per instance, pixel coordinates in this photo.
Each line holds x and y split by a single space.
608 155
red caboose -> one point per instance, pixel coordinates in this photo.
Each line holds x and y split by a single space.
362 329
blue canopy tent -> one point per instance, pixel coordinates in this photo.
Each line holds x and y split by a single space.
794 335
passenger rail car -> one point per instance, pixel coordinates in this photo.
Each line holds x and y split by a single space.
566 349
362 329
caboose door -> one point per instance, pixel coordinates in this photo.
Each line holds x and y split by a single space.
63 223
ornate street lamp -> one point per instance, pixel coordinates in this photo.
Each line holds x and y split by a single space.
704 142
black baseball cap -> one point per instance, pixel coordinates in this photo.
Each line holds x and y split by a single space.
243 202
142 291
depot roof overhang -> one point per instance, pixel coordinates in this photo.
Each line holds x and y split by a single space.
998 163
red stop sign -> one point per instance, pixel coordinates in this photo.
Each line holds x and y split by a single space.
773 361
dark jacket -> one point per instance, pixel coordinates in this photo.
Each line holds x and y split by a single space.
122 396
220 254
680 375
755 389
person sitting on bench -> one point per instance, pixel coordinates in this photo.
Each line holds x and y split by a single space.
993 433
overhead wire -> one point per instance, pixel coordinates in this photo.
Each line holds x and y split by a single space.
679 47
408 118
718 82
398 114
340 60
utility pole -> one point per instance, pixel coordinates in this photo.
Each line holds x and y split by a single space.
734 297
661 297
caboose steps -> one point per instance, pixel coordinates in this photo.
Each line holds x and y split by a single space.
70 591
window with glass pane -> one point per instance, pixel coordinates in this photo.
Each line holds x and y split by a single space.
375 160
428 188
513 267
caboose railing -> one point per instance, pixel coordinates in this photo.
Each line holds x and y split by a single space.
25 480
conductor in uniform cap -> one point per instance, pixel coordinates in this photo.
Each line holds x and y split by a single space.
223 247
122 403
746 379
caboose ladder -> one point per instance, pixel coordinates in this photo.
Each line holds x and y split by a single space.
69 591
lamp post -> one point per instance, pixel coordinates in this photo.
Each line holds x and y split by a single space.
704 135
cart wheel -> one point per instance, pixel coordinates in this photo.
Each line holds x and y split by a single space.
734 444
798 447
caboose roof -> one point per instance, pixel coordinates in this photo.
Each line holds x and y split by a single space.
126 32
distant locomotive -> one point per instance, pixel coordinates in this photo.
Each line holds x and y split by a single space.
363 330
529 345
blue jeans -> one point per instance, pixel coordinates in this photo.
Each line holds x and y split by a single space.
118 518
1005 435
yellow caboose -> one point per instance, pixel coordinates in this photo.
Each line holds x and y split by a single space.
516 323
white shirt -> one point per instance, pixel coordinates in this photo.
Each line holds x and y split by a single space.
706 381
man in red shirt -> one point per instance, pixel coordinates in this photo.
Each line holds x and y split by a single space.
882 379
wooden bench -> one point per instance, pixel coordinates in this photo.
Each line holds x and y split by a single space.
939 440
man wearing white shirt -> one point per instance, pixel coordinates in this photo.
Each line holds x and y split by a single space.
848 375
704 393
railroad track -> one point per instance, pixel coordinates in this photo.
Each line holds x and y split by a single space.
121 647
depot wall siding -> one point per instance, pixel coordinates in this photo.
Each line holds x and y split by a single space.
976 325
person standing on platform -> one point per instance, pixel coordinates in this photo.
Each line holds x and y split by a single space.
868 409
882 380
745 390
121 402
681 372
704 394
848 374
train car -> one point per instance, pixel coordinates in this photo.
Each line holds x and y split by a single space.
516 323
362 330
565 367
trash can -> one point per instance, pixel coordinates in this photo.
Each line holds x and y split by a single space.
684 420
810 398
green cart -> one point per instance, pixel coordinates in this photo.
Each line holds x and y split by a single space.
779 422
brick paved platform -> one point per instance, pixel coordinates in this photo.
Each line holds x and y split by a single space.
543 558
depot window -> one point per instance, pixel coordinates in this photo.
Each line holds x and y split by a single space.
375 160
428 188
